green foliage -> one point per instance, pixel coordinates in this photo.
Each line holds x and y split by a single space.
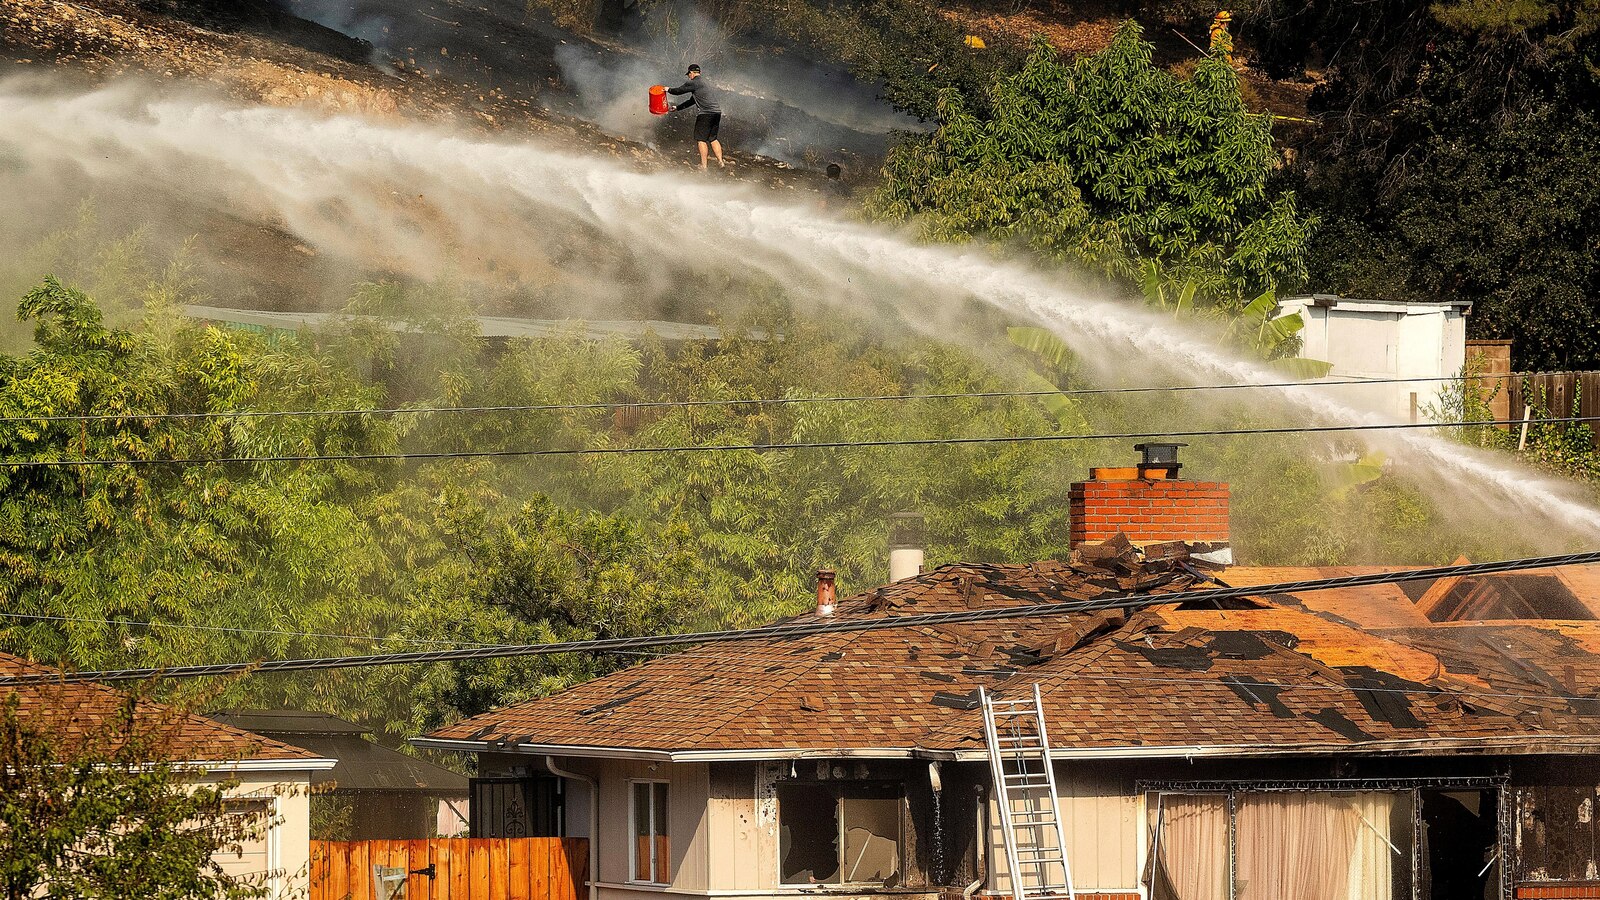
1108 161
240 561
1453 161
97 809
908 45
1561 448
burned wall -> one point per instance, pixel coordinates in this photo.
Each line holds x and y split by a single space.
1554 834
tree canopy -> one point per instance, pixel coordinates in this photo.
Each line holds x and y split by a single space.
1108 160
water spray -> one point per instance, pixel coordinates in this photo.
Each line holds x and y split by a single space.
413 197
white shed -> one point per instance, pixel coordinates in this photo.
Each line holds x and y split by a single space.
1386 339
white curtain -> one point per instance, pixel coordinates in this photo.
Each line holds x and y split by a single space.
1191 851
1374 861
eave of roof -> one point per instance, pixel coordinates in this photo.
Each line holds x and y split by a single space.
1511 745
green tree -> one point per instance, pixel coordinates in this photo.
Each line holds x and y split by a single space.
92 807
1108 161
1452 160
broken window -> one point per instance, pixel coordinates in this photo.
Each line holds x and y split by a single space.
652 856
839 833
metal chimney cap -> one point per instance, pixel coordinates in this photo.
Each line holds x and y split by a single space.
1160 455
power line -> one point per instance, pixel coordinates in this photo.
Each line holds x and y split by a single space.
129 623
811 627
813 445
753 401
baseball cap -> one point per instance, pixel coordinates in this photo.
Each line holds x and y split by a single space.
693 69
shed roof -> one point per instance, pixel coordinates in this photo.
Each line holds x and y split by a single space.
363 765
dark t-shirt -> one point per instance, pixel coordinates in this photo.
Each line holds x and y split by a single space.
704 95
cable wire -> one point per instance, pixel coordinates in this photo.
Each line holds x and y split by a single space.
753 401
763 448
130 623
808 627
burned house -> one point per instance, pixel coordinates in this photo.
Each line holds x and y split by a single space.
1356 744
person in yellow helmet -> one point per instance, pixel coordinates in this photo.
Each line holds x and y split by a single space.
1221 40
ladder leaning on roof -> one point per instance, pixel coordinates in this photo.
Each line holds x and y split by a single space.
1025 792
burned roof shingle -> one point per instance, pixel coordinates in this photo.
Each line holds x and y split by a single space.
1275 675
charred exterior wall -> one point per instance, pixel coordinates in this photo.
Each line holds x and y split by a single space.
1554 835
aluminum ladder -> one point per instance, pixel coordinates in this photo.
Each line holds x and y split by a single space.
1025 791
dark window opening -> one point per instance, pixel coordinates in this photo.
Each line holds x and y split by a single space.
841 833
516 807
1460 844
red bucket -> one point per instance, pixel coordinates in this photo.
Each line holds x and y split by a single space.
658 101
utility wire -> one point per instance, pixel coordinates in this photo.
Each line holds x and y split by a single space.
808 627
812 445
753 401
129 623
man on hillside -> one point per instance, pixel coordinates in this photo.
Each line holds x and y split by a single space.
707 98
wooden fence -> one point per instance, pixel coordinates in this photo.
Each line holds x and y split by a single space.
450 869
1557 395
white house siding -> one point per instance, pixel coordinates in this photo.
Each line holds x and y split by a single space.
1100 816
282 856
742 829
688 792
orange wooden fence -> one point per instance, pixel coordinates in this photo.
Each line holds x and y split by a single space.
450 869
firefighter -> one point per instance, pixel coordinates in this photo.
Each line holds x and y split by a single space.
1221 40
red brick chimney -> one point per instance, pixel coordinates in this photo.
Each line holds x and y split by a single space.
1148 502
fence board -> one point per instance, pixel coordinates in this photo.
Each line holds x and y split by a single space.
1560 395
460 869
517 871
463 869
440 854
418 886
338 872
499 868
361 871
480 861
560 879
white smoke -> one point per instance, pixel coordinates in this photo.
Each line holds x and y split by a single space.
417 198
790 110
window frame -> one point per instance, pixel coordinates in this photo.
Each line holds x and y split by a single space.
897 792
1150 792
272 834
663 785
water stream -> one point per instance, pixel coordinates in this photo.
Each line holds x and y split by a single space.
419 197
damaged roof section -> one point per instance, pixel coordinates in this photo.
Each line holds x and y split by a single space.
1282 674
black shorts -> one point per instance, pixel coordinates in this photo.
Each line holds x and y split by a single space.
707 126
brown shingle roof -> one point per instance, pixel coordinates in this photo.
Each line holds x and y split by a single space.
76 711
1295 674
